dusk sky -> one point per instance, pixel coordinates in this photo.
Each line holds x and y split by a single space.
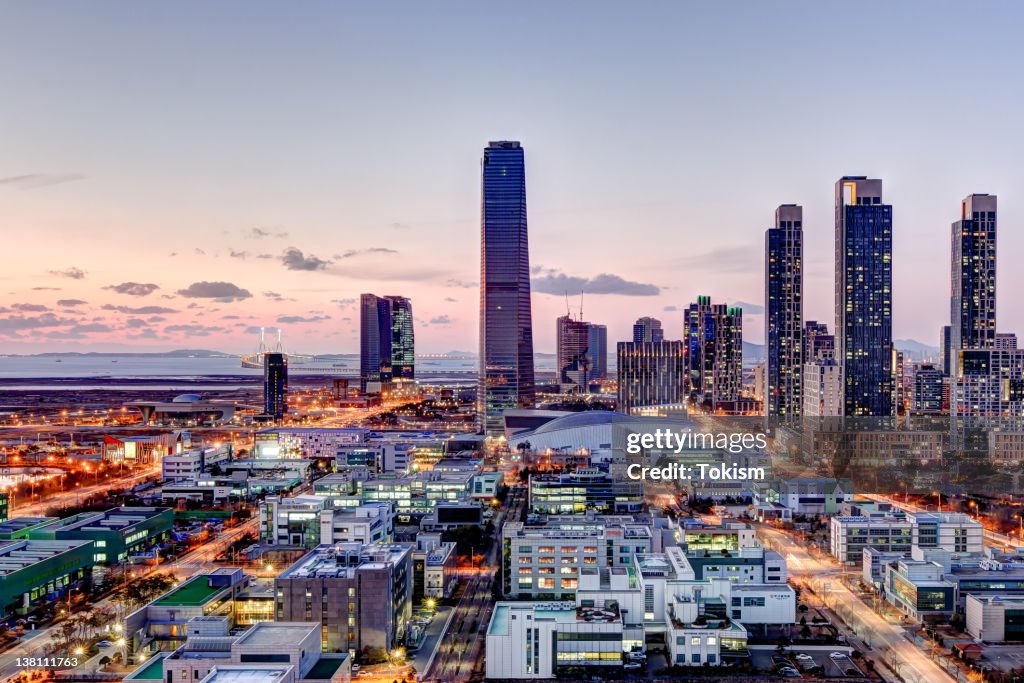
173 175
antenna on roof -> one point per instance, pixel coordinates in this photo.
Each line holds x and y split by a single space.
581 304
568 313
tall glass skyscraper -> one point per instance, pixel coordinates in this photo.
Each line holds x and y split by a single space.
275 385
387 349
506 326
863 295
973 281
783 330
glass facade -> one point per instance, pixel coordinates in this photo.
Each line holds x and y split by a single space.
506 327
387 348
784 283
650 374
275 384
863 296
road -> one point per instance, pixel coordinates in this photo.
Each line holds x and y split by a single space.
75 495
461 651
911 663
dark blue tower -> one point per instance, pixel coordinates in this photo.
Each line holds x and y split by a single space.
506 327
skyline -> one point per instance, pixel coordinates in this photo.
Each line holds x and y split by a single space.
317 195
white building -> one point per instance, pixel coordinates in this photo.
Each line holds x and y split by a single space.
995 618
291 521
952 531
534 639
823 388
546 560
188 465
367 524
850 535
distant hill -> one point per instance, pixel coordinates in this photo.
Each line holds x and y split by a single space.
752 353
915 350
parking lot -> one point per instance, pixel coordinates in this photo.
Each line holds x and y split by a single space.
797 663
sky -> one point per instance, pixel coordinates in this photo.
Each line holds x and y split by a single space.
177 175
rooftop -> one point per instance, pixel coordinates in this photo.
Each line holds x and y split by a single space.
326 667
194 592
270 633
340 560
115 519
19 555
247 674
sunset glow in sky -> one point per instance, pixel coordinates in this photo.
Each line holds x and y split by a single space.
177 175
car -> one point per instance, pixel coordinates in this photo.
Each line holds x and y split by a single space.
355 667
789 672
103 643
632 665
837 655
803 656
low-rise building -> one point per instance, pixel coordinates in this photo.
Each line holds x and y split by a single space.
744 565
544 561
33 571
435 571
291 521
814 495
851 535
279 652
165 622
360 594
117 534
918 589
538 639
576 493
189 464
368 523
995 618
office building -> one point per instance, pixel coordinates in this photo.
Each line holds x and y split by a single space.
863 296
815 495
918 589
34 571
267 652
544 561
293 522
1006 341
117 534
952 532
647 329
368 524
927 398
360 594
535 640
583 490
307 442
995 618
275 385
650 374
713 342
506 329
387 348
753 565
598 349
784 284
973 279
435 567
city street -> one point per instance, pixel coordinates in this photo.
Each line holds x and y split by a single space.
910 662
